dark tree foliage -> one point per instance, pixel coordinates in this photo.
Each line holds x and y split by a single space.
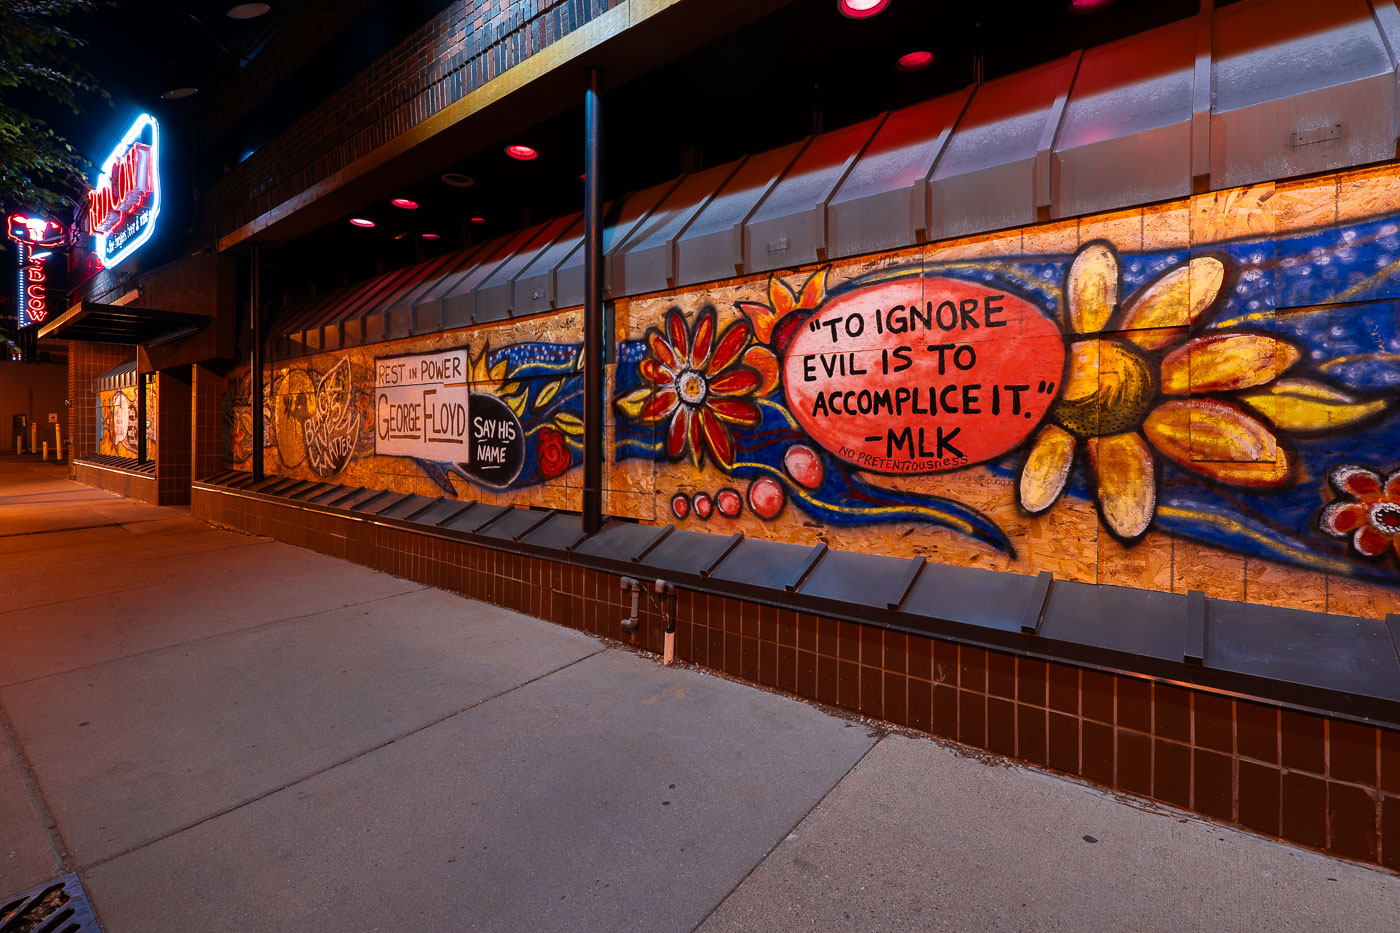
38 168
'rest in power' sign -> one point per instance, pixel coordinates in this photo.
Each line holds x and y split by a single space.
421 402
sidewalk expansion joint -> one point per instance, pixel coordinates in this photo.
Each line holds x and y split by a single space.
788 832
34 792
341 761
209 637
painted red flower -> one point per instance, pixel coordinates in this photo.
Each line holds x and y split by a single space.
698 385
553 453
1367 510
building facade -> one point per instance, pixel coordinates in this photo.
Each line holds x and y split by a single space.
1055 413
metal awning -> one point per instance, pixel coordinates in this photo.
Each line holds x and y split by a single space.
99 323
118 377
1246 92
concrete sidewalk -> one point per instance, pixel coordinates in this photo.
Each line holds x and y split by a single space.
223 732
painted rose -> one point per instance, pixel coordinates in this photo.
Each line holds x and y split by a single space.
553 453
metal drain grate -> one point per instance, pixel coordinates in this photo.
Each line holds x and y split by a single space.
57 907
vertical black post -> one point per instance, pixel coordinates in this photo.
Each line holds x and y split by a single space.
593 305
256 383
141 415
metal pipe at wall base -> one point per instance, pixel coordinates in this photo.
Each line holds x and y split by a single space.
593 306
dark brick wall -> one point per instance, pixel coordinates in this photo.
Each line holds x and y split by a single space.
173 445
466 45
206 422
87 361
1315 780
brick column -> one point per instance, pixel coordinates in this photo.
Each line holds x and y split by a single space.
206 422
173 443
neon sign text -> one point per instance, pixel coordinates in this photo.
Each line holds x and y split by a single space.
125 201
30 233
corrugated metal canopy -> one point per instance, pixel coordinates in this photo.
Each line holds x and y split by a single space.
118 377
1249 92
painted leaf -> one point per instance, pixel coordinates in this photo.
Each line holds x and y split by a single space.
1126 484
1046 469
633 402
1302 405
548 392
1091 289
569 423
1218 440
1225 362
516 403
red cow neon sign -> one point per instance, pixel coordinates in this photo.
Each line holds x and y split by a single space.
30 233
125 201
35 231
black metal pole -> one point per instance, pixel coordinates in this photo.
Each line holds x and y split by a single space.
255 382
141 416
593 305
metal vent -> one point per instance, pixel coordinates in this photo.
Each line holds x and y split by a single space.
57 907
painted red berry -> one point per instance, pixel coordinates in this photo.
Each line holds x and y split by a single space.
766 497
728 502
680 505
703 506
804 466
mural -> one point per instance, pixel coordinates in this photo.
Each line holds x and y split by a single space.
1200 394
117 422
465 421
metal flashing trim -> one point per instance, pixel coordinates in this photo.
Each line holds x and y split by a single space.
916 567
1338 665
1036 602
1194 650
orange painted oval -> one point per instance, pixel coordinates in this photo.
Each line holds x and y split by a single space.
923 373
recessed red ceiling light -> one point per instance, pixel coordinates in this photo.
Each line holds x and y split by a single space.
478 220
1087 6
914 61
432 236
860 9
405 203
362 221
523 153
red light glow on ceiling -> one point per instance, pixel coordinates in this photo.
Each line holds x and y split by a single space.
362 222
432 236
860 9
1087 6
914 61
523 153
405 203
478 220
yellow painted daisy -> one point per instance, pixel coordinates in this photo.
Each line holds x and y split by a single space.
1136 380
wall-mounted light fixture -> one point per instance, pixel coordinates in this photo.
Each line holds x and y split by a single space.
861 9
